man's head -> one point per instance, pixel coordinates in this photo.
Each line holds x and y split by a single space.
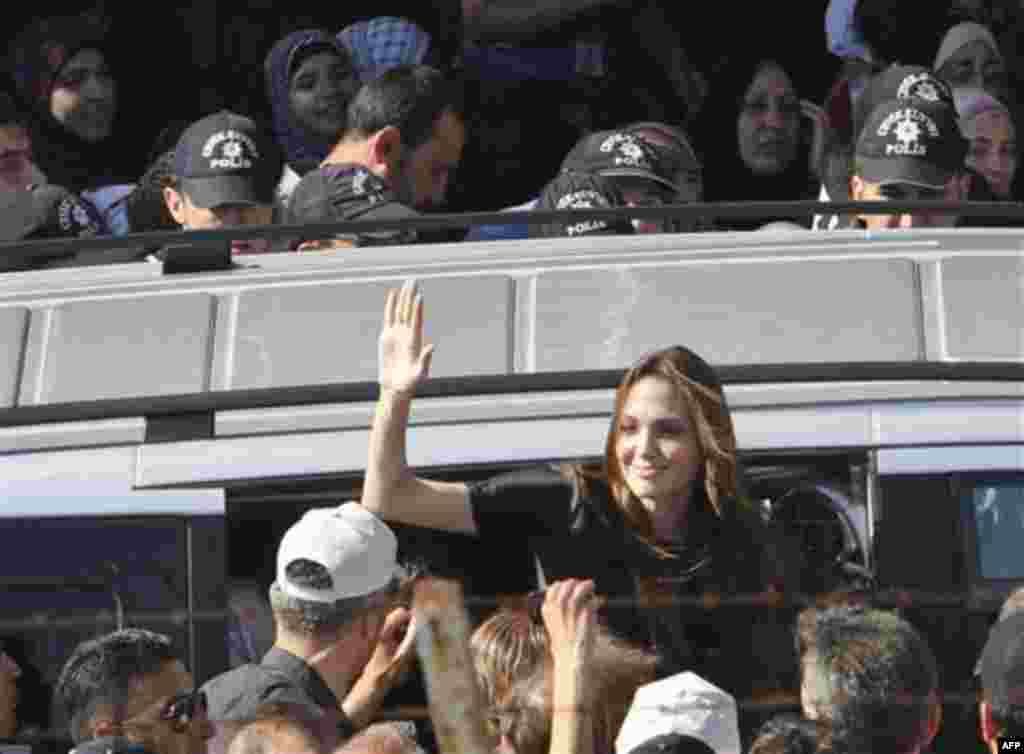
898 82
224 173
131 684
909 149
338 193
639 171
870 673
336 576
17 172
274 734
1001 712
383 738
409 128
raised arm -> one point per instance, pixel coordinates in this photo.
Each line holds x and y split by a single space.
390 489
569 613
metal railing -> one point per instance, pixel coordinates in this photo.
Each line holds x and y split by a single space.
26 252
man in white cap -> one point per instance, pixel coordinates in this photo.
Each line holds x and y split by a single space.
679 707
340 643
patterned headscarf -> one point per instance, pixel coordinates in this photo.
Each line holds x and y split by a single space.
382 43
302 149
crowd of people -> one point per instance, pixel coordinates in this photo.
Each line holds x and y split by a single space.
661 585
389 118
658 612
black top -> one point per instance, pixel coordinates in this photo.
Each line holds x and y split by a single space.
280 678
576 533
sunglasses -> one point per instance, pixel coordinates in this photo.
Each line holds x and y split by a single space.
181 709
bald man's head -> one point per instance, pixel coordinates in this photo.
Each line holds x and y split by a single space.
381 738
274 735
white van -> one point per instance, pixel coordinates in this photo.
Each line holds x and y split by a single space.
160 433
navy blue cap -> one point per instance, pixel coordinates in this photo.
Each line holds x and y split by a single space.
227 158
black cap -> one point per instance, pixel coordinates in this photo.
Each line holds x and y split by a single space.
1002 663
54 212
673 743
580 191
336 193
911 141
227 158
615 154
899 82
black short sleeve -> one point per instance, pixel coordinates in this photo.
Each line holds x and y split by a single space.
524 504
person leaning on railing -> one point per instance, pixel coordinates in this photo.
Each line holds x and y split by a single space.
658 525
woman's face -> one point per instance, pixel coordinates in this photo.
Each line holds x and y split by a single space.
657 447
84 96
977 65
319 93
993 150
768 128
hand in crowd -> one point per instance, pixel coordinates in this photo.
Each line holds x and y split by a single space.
387 668
403 358
822 135
570 616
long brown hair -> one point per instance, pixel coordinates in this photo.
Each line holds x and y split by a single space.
704 399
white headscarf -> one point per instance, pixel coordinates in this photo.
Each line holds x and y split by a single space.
964 34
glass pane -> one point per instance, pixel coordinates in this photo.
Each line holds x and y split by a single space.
999 519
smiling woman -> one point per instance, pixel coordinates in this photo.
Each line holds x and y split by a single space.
310 81
658 524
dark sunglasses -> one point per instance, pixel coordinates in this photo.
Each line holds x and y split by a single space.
183 708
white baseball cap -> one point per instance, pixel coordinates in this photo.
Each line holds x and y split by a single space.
358 550
683 703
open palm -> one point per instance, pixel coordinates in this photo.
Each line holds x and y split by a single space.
404 361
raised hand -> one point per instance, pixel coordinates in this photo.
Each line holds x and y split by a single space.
570 615
404 361
387 667
822 135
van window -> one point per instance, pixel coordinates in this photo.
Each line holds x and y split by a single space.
998 511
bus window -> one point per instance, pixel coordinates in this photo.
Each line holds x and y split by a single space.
997 508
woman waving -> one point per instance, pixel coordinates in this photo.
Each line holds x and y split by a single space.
657 525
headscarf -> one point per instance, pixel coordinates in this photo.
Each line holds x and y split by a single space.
303 151
382 43
36 58
726 177
844 37
960 35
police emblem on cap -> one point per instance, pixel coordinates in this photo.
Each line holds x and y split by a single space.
584 199
627 150
921 85
907 125
75 219
230 150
